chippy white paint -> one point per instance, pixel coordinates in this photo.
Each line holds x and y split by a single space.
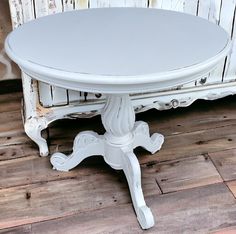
122 134
55 103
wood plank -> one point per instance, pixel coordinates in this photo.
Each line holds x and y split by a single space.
227 22
18 151
191 131
202 115
225 162
171 176
229 230
203 209
25 229
81 4
33 169
232 187
49 200
185 173
231 67
58 95
175 146
45 97
10 102
13 117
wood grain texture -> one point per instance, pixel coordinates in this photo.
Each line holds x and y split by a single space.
183 188
232 187
192 131
45 200
180 212
225 162
218 11
185 173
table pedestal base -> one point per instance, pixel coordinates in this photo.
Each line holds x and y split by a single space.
116 146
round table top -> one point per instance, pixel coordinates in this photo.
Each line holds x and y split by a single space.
113 48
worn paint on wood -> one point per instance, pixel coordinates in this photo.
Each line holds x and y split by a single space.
208 9
32 192
206 209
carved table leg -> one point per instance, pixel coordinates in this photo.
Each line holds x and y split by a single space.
86 144
116 146
133 174
33 128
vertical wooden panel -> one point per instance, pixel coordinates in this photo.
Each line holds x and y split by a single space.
136 3
76 95
191 6
155 3
187 6
118 3
59 95
203 11
54 6
50 95
45 98
230 26
68 5
214 16
81 4
41 8
215 11
166 5
16 13
28 10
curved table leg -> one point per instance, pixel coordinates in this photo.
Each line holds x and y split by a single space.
121 137
86 144
142 138
33 128
132 172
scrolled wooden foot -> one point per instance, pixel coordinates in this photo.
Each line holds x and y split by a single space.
142 138
145 217
86 144
33 128
132 172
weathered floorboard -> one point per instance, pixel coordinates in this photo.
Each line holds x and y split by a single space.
184 173
225 162
190 211
182 183
232 187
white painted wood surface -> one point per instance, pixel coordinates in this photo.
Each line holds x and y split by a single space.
122 135
212 9
67 70
209 87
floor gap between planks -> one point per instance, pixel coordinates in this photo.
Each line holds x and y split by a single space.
198 157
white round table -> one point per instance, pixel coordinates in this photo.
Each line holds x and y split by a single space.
117 51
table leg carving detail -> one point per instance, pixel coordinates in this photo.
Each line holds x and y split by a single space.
122 135
33 128
86 144
132 172
142 138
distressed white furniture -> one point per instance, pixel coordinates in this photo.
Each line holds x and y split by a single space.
44 103
128 57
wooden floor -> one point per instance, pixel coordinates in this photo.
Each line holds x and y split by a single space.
190 185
